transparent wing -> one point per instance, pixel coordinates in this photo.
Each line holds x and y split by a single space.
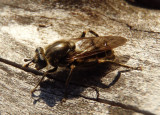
112 41
90 46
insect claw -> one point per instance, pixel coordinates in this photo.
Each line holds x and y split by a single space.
138 68
33 90
63 101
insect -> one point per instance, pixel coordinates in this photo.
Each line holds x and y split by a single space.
78 52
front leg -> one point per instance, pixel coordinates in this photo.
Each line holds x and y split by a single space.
44 75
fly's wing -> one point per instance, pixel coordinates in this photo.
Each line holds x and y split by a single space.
90 46
81 55
112 41
115 41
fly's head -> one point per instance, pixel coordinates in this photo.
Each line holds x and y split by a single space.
39 59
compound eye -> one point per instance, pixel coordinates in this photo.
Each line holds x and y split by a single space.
40 53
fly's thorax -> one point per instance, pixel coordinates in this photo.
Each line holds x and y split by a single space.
57 51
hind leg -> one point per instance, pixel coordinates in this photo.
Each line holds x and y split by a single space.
119 64
90 31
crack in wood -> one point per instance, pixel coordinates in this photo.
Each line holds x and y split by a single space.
18 7
132 28
118 104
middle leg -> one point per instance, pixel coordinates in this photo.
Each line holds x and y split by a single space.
67 83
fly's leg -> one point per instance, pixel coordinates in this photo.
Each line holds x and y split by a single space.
34 89
119 64
94 33
30 61
44 75
67 83
90 31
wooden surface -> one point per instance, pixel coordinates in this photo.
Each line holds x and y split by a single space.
27 24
